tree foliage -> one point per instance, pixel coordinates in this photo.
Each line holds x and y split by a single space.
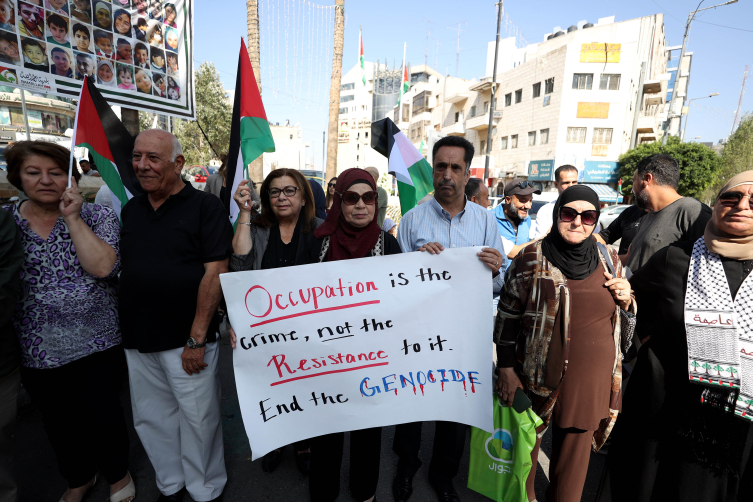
699 165
737 154
214 112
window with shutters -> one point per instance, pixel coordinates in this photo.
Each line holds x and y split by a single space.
518 96
532 138
602 136
583 81
609 82
514 141
544 137
503 143
508 99
536 90
576 135
549 86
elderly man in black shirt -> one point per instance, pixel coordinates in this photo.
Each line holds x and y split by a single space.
175 243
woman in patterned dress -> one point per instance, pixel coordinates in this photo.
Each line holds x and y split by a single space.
67 320
686 432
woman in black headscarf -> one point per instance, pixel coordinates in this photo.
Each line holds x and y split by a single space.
565 316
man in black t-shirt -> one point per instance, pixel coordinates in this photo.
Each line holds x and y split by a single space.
175 243
624 228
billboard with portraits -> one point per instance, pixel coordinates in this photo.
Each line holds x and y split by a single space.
139 51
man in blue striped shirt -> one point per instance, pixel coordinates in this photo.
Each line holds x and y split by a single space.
447 221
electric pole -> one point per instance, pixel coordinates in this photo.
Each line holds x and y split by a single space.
491 101
334 90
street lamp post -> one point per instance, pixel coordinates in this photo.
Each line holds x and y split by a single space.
687 116
670 116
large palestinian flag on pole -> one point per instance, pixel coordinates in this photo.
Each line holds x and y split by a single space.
110 145
250 135
406 164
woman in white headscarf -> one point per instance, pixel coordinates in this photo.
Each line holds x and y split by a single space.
106 73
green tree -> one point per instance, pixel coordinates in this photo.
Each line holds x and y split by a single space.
737 155
695 365
718 368
699 165
732 371
214 111
707 367
749 402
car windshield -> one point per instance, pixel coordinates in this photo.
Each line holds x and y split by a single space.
535 206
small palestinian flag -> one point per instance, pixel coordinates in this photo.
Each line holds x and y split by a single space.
98 129
360 57
406 164
250 135
405 86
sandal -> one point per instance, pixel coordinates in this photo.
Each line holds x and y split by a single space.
128 491
62 499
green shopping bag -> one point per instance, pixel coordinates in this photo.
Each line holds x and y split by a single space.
501 460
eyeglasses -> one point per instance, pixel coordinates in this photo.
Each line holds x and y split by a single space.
568 214
732 199
331 184
289 191
352 198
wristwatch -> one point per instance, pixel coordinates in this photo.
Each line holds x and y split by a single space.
193 344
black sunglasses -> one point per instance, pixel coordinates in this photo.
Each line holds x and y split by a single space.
525 184
732 199
568 214
352 198
331 184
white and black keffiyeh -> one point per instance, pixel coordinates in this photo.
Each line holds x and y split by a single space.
719 331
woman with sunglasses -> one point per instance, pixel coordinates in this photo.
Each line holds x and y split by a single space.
350 231
686 433
331 192
564 318
281 236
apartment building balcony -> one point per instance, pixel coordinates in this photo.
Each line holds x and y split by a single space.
481 122
647 124
456 129
651 86
458 97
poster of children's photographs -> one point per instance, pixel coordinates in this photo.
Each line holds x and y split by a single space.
139 51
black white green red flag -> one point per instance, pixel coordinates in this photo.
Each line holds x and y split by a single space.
406 164
250 135
110 145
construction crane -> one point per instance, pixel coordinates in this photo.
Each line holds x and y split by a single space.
740 103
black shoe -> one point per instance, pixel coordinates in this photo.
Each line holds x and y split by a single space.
446 493
402 487
303 462
175 497
271 460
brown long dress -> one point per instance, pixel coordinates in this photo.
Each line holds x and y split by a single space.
583 399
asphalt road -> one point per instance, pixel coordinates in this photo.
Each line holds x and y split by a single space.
39 479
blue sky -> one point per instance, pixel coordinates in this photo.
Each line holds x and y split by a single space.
720 54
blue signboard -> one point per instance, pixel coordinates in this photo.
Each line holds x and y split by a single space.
599 171
540 170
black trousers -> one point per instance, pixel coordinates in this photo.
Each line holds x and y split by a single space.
326 460
82 415
449 443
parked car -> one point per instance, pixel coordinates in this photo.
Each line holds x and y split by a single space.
198 174
540 201
610 213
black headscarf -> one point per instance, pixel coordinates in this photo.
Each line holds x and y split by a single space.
575 261
320 200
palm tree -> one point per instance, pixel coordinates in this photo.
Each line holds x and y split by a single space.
732 371
707 367
256 170
334 89
718 368
695 365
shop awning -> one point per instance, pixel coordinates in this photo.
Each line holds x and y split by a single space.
605 192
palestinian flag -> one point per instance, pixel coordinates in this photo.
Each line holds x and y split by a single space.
360 57
98 129
405 85
406 164
250 135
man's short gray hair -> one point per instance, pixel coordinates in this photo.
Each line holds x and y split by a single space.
177 149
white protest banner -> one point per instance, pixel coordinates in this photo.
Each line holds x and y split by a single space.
354 344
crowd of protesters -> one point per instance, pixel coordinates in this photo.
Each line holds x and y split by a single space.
74 283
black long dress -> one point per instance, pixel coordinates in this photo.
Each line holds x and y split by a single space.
667 446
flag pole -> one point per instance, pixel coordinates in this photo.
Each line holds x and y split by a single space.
75 128
355 147
402 85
